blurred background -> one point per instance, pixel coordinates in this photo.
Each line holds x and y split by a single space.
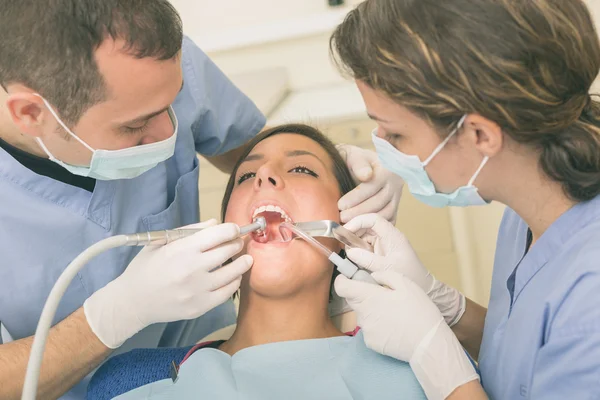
276 51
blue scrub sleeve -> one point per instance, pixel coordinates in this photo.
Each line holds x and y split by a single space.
223 117
568 363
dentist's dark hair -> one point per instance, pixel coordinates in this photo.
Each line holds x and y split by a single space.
49 45
340 169
527 65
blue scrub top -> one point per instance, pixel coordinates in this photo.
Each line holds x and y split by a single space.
45 223
542 330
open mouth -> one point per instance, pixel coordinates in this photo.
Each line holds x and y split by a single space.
274 215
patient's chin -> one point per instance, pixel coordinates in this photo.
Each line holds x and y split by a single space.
282 274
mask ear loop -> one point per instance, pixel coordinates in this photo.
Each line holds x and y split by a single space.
445 141
62 124
476 174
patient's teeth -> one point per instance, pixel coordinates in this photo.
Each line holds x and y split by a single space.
272 208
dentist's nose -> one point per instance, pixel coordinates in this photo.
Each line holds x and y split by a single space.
266 177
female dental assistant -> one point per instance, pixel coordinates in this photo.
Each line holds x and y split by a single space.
101 120
478 101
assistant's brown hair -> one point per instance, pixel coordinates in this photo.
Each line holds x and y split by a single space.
527 65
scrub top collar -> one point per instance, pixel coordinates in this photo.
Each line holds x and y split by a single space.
550 243
94 206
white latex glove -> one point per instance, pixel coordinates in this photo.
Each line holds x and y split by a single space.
378 191
392 251
400 321
178 281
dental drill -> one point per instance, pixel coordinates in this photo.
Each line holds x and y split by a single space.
64 280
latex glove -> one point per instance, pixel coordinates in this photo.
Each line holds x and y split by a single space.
400 321
178 281
392 251
378 191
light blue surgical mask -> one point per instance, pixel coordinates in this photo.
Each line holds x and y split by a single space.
412 171
118 164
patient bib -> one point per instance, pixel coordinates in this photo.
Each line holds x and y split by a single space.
333 368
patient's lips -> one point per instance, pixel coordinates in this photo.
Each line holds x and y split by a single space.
274 215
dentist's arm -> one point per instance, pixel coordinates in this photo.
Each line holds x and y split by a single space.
179 281
72 352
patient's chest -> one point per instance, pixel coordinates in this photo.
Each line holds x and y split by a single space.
334 368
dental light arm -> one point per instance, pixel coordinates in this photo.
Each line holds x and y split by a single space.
64 280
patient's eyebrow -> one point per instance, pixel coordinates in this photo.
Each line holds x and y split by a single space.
293 153
253 157
296 153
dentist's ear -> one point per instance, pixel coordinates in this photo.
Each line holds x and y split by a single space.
26 109
485 134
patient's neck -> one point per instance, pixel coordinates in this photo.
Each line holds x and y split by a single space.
264 320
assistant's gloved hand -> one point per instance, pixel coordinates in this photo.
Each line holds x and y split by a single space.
400 321
178 281
392 251
379 190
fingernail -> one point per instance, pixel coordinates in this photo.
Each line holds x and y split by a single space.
344 217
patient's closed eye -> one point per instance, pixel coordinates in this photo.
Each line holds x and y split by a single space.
299 170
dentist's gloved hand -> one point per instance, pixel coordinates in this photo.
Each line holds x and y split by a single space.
178 281
392 251
379 190
400 321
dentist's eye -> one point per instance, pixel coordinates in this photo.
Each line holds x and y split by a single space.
393 138
136 129
245 177
304 170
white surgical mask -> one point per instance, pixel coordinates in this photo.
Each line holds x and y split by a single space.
118 164
412 171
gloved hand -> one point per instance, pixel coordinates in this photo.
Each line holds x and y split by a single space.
379 190
400 321
178 281
392 251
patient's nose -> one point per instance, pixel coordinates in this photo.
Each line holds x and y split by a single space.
267 177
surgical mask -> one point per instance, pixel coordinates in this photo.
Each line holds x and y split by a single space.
412 171
118 164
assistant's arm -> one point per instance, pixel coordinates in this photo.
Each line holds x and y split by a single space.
469 329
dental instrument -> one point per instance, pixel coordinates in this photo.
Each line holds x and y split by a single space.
331 229
344 266
168 236
64 280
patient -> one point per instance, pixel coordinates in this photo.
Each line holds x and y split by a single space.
285 344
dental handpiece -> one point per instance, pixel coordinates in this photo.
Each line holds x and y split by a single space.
167 236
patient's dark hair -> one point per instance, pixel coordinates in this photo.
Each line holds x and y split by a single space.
340 170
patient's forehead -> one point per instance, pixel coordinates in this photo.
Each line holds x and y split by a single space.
276 146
